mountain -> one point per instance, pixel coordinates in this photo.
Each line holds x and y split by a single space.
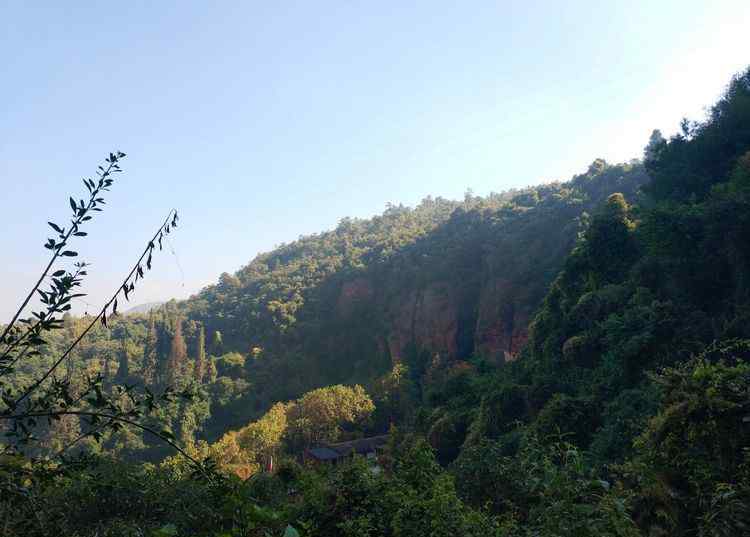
143 308
441 282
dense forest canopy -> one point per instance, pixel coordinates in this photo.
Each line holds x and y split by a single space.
568 359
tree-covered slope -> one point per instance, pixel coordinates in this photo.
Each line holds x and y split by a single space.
426 287
441 282
638 353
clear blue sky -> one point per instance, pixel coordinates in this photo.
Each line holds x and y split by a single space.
262 121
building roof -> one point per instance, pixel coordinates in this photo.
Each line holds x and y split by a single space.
323 453
361 446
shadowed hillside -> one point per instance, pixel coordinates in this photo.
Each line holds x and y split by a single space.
443 282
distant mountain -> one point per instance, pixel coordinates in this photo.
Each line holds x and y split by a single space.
143 308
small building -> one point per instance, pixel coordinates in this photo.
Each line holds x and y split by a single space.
334 453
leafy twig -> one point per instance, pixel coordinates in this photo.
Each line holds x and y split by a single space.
81 215
126 287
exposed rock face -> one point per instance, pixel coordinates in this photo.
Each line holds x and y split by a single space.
353 293
484 311
505 310
476 293
427 319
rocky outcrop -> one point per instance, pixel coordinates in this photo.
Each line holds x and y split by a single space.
474 293
353 294
425 319
429 319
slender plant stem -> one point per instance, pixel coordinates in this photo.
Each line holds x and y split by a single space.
80 437
23 337
56 254
93 322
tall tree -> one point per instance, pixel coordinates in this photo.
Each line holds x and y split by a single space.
200 356
123 368
150 372
177 355
121 332
217 344
106 365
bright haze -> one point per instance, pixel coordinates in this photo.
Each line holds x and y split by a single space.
261 122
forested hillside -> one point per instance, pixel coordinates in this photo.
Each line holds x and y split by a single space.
428 287
570 359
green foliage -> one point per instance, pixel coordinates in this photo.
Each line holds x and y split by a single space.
337 307
320 415
626 414
576 416
231 365
624 348
542 489
704 153
692 459
416 498
106 497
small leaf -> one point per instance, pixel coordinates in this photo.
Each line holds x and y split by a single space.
73 205
80 233
69 253
55 227
58 273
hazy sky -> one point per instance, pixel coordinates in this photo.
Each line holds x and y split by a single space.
263 121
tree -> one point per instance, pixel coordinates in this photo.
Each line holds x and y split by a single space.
610 246
696 447
655 143
199 371
211 372
150 363
123 367
177 356
319 415
217 343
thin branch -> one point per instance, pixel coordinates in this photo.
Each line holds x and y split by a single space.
93 322
57 250
80 437
30 329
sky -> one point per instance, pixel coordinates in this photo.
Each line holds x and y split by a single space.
263 121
